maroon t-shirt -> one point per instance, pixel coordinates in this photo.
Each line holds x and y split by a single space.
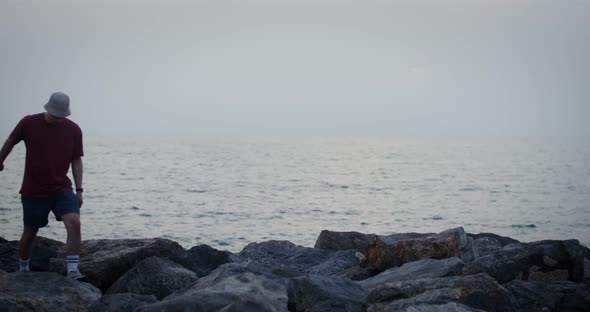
50 151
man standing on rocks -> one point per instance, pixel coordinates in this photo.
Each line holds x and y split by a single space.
53 144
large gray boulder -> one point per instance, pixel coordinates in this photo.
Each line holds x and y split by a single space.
104 261
154 276
394 250
245 292
502 240
425 268
443 307
320 293
44 249
562 254
335 241
214 291
511 262
286 259
121 302
586 270
234 269
8 255
515 261
477 291
540 296
483 246
203 259
44 291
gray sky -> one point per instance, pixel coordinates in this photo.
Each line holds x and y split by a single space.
513 67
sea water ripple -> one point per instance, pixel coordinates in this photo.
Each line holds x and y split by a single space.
230 192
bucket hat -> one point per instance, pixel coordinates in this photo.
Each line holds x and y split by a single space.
58 105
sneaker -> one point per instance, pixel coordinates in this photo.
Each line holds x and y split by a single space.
76 275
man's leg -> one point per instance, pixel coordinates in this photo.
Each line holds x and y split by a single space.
67 209
74 239
25 248
35 212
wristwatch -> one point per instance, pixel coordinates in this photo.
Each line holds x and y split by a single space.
79 190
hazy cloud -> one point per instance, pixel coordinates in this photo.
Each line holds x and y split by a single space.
301 67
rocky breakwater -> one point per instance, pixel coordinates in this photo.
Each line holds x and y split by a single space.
344 271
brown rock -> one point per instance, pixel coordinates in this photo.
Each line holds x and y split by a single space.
383 254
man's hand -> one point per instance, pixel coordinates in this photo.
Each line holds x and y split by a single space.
80 197
5 150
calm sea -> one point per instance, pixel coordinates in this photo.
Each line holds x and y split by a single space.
230 192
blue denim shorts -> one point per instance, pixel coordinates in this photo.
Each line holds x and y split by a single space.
36 210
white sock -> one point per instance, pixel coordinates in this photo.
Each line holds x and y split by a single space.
23 265
73 263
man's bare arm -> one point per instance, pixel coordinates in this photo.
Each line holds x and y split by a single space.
78 173
5 151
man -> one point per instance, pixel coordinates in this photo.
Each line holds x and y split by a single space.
53 144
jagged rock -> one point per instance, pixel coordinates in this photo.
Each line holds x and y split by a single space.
245 292
104 261
121 302
360 272
478 291
58 265
8 256
335 241
540 296
511 262
336 263
446 307
44 249
537 274
44 291
503 240
425 268
514 261
286 259
325 293
383 255
203 259
471 245
154 276
394 250
484 246
234 269
564 254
